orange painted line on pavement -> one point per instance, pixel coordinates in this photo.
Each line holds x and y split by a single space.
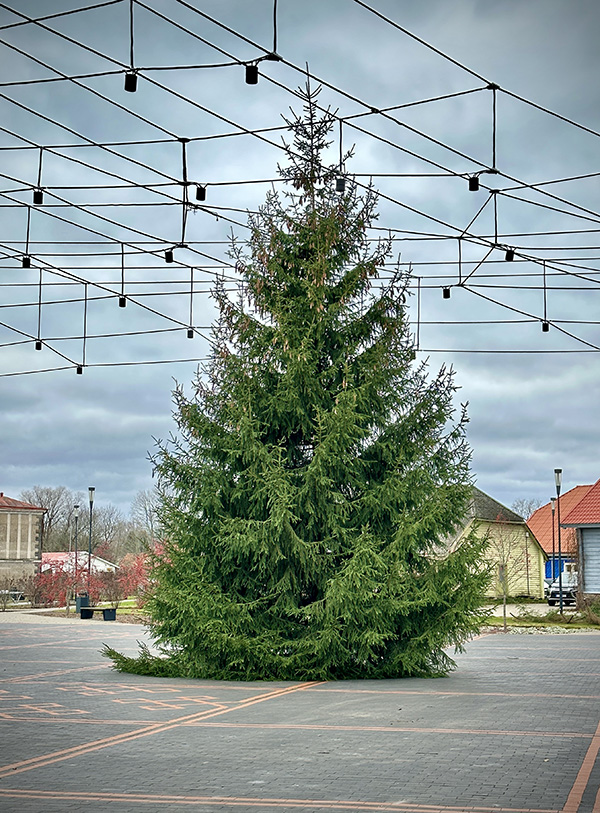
13 718
398 728
55 673
42 660
548 658
65 642
248 801
424 693
84 748
581 780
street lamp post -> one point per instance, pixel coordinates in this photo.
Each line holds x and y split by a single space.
76 517
91 491
558 481
553 503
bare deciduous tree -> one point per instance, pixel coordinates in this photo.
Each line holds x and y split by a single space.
525 506
144 516
508 553
57 500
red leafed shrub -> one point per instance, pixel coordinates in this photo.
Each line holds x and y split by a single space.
53 584
133 573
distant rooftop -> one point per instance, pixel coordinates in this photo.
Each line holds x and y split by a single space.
540 522
587 510
17 505
482 506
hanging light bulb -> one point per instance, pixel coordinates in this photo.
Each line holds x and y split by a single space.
79 369
131 81
38 196
38 344
190 333
252 74
446 293
340 184
474 183
545 327
510 255
26 262
201 192
169 255
122 301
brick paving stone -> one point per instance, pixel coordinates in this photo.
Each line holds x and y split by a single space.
515 727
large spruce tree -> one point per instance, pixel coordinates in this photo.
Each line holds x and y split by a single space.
316 470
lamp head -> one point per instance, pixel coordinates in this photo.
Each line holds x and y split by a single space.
91 491
76 510
553 503
558 479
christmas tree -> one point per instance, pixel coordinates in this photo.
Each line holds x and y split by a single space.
317 468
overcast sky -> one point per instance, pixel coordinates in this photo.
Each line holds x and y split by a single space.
531 410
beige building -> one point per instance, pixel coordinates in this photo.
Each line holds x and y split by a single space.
515 557
20 535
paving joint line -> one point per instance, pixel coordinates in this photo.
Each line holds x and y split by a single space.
156 728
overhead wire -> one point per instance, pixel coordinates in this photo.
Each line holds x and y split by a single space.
252 132
493 87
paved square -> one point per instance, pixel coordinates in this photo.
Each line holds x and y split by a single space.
515 728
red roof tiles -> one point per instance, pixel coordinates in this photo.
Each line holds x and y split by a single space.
587 510
17 505
540 522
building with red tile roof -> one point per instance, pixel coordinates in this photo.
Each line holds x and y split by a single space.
544 526
21 527
584 519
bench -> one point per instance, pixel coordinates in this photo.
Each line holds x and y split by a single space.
108 613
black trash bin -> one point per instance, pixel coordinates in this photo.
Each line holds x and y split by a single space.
82 600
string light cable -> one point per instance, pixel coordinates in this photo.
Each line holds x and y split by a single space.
171 200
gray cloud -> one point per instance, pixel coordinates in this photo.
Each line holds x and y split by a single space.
529 412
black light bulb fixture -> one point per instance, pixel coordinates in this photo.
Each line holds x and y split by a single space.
446 293
26 262
201 192
510 255
38 344
122 301
38 197
169 255
79 369
474 183
545 327
131 81
252 74
340 184
190 333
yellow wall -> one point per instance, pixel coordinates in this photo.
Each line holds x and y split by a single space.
512 545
